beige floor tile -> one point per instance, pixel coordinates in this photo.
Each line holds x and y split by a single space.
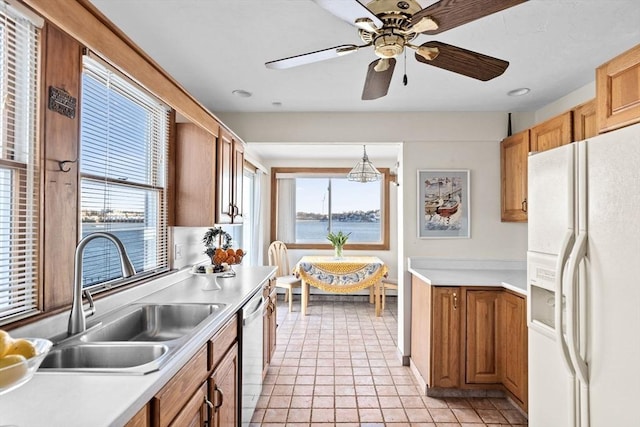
346 402
321 415
466 415
299 415
275 415
443 416
394 415
367 402
279 402
369 415
301 401
491 416
390 401
347 415
418 415
323 402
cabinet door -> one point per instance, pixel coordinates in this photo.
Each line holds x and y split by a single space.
195 412
195 178
141 419
223 390
273 325
238 178
552 133
514 331
514 151
224 202
173 397
445 337
585 124
482 337
618 91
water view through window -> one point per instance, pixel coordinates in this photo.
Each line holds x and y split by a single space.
336 204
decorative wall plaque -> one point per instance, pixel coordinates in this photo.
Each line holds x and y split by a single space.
61 102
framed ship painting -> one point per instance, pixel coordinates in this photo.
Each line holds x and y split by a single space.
443 204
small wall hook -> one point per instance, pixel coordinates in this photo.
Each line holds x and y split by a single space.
62 164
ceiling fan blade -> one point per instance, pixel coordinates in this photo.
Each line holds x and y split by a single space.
308 58
348 10
462 61
449 14
377 83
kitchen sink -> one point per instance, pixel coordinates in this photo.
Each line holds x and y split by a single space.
136 339
152 322
122 357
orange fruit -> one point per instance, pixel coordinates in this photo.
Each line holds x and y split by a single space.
239 252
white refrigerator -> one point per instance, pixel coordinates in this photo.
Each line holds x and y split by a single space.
583 272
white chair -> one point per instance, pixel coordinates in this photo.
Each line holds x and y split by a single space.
386 284
278 257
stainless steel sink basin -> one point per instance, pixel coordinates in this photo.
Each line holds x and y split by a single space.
122 357
136 339
152 322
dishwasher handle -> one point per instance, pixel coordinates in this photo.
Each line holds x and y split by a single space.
259 311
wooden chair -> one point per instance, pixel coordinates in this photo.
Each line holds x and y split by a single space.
278 257
385 284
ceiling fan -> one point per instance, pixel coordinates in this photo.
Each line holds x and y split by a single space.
390 26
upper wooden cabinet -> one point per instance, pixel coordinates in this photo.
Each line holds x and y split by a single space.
553 133
514 151
585 124
230 175
195 178
618 91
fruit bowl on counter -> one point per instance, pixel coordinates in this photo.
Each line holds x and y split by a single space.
20 359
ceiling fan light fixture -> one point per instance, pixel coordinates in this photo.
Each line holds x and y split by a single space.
426 23
389 45
364 171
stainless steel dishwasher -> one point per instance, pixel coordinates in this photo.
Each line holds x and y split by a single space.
252 360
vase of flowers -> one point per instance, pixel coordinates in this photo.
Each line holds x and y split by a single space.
338 241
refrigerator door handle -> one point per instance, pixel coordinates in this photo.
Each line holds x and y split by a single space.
563 255
577 255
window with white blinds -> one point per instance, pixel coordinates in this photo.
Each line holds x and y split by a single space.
123 167
19 190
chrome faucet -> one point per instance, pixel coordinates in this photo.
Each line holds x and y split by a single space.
77 319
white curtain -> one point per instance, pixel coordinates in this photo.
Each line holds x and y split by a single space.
286 231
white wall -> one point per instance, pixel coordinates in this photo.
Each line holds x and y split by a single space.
567 102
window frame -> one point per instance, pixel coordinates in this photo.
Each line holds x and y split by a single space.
384 211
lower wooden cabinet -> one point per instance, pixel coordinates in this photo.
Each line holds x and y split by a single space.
445 336
483 337
196 411
515 346
141 419
469 338
223 390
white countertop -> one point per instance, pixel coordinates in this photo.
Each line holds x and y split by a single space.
510 275
81 399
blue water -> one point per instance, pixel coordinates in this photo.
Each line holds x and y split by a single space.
316 231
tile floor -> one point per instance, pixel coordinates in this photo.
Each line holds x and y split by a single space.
339 367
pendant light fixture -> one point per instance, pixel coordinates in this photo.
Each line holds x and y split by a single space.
364 171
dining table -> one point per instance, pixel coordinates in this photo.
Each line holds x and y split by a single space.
340 275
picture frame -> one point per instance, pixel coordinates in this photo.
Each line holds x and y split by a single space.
443 204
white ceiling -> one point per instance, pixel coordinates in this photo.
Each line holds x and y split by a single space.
215 46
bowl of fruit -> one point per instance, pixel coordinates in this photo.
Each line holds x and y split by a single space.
218 248
20 358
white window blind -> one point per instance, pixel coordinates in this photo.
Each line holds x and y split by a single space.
123 162
19 190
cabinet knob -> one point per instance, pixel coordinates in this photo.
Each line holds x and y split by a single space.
455 301
524 205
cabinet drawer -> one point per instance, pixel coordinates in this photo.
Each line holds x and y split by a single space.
172 398
222 341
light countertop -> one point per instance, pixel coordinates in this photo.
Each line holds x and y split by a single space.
510 275
82 399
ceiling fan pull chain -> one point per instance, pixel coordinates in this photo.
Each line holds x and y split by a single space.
405 79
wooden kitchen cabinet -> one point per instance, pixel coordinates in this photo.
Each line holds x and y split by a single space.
178 392
196 412
445 336
513 326
482 336
618 91
552 133
195 176
585 124
230 166
141 419
269 326
223 390
514 151
421 327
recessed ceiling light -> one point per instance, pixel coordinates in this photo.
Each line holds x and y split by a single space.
519 92
241 93
276 104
